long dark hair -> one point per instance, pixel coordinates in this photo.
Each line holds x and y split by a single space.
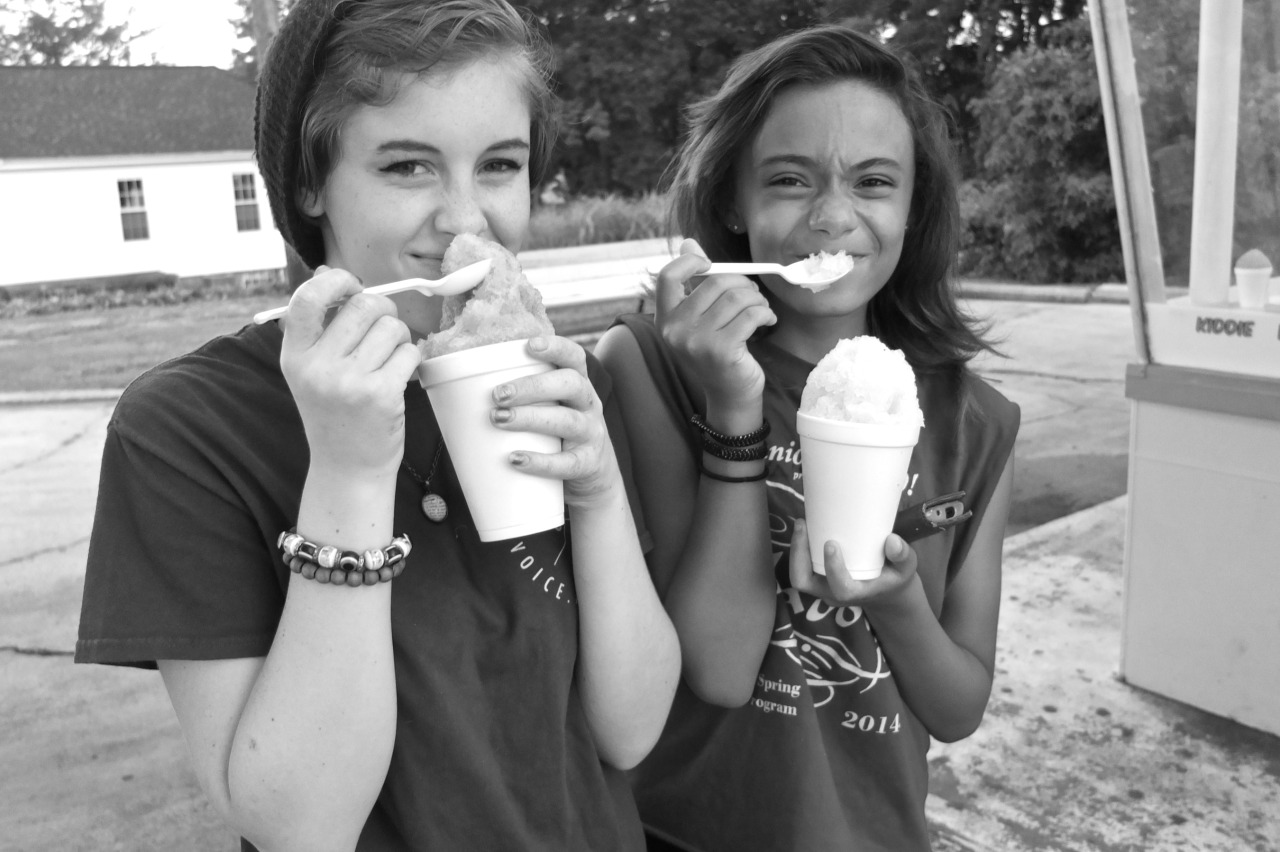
917 310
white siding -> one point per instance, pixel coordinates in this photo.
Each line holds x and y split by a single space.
61 220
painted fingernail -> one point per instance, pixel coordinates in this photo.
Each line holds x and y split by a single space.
519 459
501 415
503 392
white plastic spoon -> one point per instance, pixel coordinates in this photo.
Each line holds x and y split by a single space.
806 273
458 281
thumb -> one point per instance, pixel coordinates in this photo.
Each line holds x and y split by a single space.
895 548
310 304
691 246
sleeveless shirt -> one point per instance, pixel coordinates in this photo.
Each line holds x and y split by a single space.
825 755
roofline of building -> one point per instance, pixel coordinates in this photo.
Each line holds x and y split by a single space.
38 164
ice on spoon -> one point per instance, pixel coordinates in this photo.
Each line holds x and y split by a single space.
823 269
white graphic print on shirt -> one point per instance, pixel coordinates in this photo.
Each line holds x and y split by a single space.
832 650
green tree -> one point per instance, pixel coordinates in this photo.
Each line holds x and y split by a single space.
1042 207
957 45
247 26
626 69
61 32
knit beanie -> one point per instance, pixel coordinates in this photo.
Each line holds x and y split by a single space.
284 83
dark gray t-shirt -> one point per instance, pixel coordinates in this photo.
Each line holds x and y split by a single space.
203 467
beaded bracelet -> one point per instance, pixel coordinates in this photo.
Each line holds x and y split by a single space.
719 477
747 440
327 564
734 454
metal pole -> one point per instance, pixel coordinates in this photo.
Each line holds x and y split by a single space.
1130 167
1217 127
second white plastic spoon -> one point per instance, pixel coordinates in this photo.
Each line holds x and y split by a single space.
806 273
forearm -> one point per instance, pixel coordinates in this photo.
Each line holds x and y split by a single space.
944 684
723 597
628 652
319 725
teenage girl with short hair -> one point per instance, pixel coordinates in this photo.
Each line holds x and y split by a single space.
472 696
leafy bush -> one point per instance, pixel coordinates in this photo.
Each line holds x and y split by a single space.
1042 208
602 219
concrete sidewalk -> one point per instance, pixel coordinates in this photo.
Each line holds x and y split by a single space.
1071 759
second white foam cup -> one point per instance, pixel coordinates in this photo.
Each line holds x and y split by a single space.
854 474
504 501
1253 286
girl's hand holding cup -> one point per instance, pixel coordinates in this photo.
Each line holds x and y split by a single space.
561 403
837 587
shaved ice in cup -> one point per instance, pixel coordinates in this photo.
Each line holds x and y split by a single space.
859 421
504 306
481 344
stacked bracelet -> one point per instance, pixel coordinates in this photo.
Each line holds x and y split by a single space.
733 448
735 454
720 477
328 564
747 440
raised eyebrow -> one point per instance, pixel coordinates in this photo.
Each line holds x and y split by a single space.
878 163
415 146
810 163
411 145
516 144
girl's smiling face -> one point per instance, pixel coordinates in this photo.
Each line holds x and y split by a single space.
831 168
449 155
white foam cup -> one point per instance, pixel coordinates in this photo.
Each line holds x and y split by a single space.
504 501
1253 287
854 474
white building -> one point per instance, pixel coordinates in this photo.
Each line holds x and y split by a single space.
107 172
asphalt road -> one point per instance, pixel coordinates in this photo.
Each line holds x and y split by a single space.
92 757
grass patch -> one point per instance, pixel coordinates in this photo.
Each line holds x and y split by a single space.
94 348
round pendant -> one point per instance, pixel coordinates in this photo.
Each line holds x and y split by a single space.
434 507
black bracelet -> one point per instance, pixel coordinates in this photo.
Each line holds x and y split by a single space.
747 440
734 454
722 478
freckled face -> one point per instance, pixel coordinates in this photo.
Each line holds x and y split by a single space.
448 156
831 168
